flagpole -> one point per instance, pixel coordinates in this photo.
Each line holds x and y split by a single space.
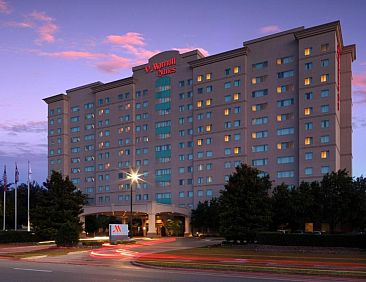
28 195
16 197
5 182
4 208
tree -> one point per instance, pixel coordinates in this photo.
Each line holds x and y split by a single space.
282 208
56 215
205 217
245 204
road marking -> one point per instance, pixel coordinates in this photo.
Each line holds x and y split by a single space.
30 269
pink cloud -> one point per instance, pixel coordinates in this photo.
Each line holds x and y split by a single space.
46 32
73 54
130 38
184 50
114 64
21 24
4 8
41 16
359 93
270 29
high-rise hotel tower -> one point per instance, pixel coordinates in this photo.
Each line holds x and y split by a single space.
281 103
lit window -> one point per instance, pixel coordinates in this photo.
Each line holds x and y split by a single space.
307 81
236 96
236 150
208 76
324 154
308 51
208 127
254 80
308 140
227 138
236 69
208 102
307 111
199 78
199 142
227 112
279 89
324 78
199 104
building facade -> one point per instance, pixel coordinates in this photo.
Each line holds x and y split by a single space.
281 103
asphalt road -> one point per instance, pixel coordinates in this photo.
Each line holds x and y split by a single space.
18 271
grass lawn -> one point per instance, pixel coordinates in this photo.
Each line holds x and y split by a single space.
309 261
52 251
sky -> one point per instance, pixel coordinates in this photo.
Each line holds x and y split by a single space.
49 46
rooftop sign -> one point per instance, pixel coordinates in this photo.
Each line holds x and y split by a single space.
162 68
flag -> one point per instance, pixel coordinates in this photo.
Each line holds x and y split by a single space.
29 172
5 179
16 174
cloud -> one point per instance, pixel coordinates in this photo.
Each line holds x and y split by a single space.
4 8
45 27
184 50
73 54
130 38
359 85
114 64
28 127
133 43
25 24
270 29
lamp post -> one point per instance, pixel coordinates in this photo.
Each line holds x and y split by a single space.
134 177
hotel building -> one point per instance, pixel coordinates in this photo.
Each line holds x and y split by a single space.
281 103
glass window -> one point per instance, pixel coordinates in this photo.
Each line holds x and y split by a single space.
324 78
308 51
308 170
308 156
324 93
324 63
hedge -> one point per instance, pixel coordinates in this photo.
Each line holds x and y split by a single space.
326 240
17 237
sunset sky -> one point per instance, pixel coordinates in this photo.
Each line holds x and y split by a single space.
49 46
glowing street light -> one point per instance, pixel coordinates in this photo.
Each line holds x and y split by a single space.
134 177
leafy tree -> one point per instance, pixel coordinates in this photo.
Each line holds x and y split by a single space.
357 214
174 226
205 217
282 208
57 212
245 204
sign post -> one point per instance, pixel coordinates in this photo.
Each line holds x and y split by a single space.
118 232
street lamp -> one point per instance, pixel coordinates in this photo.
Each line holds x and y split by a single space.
134 177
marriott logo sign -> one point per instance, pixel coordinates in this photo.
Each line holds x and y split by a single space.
162 68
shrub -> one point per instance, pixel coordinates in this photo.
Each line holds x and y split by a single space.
17 237
67 235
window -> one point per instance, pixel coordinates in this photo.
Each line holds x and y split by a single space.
199 78
308 111
260 148
259 162
208 76
284 117
324 63
285 74
324 154
324 169
308 66
227 151
308 80
227 111
209 89
324 93
199 104
324 108
258 79
259 93
285 174
284 88
308 170
237 150
237 110
236 69
308 51
237 136
237 82
308 125
324 139
227 98
227 71
285 131
227 138
324 123
324 77
208 127
284 60
308 156
260 134
208 102
285 145
308 140
285 160
259 66
324 47
227 85
259 121
236 96
308 96
285 102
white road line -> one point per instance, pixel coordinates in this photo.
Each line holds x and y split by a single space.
30 269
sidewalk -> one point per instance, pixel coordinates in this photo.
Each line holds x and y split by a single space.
5 249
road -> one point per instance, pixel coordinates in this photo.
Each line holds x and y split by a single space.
113 263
